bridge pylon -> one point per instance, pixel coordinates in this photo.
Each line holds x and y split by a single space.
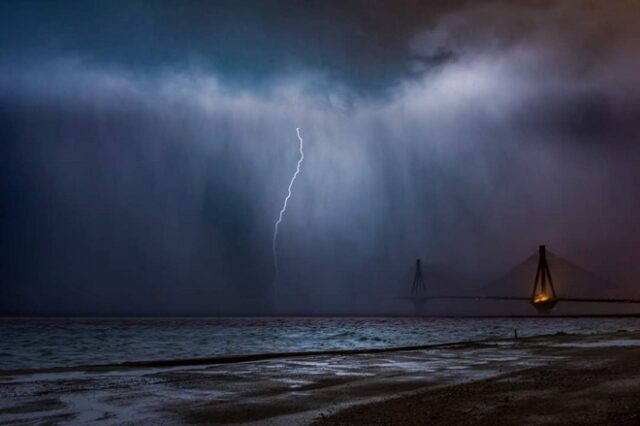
543 296
418 290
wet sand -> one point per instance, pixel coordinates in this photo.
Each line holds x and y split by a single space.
560 379
595 381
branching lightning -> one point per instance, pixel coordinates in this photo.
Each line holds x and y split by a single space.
284 205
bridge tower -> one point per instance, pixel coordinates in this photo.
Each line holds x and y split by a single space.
543 296
418 290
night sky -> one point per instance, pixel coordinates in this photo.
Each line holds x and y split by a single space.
146 148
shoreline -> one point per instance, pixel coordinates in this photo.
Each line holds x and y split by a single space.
239 358
328 316
33 346
587 386
328 388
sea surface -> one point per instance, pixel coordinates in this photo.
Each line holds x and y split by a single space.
52 342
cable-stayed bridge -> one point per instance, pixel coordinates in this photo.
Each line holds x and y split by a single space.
550 279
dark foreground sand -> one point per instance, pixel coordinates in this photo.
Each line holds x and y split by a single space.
550 380
591 386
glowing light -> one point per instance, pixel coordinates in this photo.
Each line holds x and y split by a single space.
542 297
284 206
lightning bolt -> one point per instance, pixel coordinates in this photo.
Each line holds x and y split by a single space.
284 205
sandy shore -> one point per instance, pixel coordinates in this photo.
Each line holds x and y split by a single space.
559 379
595 381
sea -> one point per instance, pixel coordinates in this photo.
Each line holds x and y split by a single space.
57 342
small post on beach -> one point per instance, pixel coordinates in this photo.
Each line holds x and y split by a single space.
515 333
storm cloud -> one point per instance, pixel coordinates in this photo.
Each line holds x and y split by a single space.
145 176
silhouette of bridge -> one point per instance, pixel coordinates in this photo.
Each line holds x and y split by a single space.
544 296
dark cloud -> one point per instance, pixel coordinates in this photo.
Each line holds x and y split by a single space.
244 42
146 148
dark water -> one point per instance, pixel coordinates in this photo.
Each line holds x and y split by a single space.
79 341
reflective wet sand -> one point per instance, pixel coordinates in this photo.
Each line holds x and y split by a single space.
292 389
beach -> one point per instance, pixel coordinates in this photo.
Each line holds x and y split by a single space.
553 379
587 383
